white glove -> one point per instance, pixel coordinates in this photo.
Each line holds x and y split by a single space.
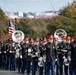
55 59
10 51
29 50
0 52
21 56
63 57
65 60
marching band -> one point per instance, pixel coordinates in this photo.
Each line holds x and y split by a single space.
42 55
47 56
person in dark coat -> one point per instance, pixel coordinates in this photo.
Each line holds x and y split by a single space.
73 56
50 56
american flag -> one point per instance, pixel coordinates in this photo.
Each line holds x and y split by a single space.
11 28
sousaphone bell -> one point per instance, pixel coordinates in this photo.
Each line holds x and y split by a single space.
18 36
59 33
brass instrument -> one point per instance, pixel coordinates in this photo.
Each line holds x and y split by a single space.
59 33
18 36
41 62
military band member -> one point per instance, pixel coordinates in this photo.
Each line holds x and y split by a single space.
30 49
7 55
42 61
19 57
12 52
24 47
3 56
57 67
73 56
35 56
61 56
67 55
0 55
5 52
40 55
50 56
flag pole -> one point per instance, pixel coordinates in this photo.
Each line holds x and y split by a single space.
16 23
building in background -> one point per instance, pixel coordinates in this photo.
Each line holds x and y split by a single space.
30 15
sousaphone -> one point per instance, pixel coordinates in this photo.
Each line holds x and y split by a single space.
18 36
59 33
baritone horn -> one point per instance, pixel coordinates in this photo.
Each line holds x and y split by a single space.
59 33
18 36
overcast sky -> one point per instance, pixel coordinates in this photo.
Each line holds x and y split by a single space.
33 5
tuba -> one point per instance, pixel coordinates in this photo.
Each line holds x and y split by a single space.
18 36
59 33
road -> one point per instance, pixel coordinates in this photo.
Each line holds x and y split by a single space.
4 72
7 72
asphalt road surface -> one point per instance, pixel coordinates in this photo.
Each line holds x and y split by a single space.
7 72
4 72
